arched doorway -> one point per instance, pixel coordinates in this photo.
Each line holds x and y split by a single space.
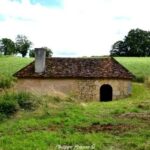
105 93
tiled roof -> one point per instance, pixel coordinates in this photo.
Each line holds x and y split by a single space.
78 68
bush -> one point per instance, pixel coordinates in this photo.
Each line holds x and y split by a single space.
5 81
8 107
139 79
10 102
26 100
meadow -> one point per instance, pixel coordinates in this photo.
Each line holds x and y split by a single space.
139 66
9 64
58 123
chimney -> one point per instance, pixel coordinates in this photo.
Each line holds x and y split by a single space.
40 54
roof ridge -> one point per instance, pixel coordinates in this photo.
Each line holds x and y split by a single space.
78 57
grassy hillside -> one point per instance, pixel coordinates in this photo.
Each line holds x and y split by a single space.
117 125
9 65
140 66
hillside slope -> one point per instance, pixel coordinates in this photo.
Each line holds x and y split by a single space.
118 125
9 64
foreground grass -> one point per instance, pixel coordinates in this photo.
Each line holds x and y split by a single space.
117 125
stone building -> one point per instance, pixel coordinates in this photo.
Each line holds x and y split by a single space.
97 79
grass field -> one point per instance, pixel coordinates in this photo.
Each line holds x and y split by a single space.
140 66
9 65
117 125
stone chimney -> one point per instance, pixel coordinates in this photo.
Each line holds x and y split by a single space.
40 55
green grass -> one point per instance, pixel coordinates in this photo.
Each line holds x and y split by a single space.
57 123
117 125
9 64
139 66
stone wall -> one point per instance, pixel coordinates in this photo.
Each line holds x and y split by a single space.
121 88
82 89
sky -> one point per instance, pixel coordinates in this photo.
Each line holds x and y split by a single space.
73 28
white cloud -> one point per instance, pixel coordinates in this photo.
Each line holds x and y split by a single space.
79 27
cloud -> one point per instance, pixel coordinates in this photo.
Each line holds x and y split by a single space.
77 27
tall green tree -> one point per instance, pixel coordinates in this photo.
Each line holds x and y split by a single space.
119 49
22 45
49 52
136 43
7 47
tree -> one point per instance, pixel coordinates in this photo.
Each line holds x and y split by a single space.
22 45
136 43
119 49
49 52
31 53
7 46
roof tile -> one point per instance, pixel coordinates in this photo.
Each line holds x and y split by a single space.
78 68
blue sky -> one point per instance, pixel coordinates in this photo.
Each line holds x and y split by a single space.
2 17
73 27
47 3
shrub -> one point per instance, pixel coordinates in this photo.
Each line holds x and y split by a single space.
26 100
8 106
10 102
139 79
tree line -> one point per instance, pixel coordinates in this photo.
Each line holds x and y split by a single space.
136 43
21 45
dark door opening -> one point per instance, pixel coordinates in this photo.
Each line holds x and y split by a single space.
105 93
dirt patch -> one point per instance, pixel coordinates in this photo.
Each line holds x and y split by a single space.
116 129
34 129
142 116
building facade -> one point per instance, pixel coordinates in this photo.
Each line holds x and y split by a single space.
90 79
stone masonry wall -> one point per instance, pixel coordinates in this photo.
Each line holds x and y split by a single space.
82 89
121 88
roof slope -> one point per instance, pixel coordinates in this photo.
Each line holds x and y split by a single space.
78 68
